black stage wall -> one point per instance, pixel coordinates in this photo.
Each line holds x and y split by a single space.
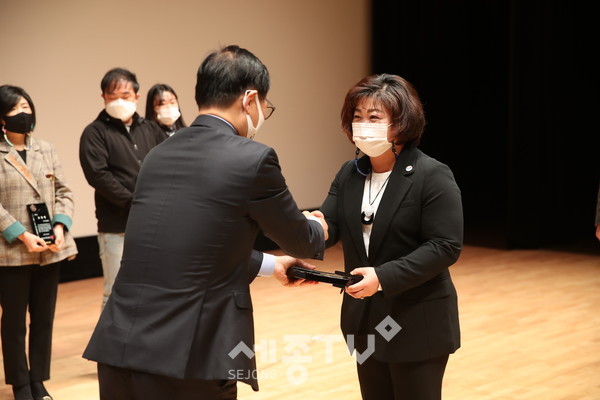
511 96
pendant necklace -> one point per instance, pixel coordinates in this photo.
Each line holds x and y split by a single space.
368 214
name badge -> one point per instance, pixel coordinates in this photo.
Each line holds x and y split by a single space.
41 222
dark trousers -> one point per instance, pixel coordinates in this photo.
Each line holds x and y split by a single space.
420 380
33 287
124 384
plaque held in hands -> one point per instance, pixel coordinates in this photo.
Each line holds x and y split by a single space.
41 222
338 279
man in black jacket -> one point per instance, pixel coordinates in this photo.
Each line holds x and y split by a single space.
111 151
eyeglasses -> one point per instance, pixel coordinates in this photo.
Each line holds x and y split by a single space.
270 109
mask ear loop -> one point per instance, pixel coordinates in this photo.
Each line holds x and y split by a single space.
247 93
356 164
260 114
5 137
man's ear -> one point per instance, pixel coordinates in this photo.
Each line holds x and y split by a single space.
248 99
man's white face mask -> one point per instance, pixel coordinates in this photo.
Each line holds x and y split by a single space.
252 130
371 138
121 109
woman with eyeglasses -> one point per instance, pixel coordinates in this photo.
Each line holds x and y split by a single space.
162 107
36 207
398 213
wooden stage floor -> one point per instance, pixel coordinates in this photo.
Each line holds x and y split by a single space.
530 324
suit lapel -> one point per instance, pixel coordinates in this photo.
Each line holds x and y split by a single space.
392 198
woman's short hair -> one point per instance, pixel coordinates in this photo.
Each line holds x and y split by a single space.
226 74
9 97
400 100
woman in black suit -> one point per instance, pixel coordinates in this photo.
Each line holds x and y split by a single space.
398 213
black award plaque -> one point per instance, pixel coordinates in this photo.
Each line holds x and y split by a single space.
41 222
338 279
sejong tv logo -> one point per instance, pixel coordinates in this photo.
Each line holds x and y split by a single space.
388 328
241 348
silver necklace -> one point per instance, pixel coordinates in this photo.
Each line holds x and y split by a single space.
368 214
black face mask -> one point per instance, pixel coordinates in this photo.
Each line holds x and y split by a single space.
20 123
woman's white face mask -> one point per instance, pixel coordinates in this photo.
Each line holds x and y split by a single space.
167 115
371 138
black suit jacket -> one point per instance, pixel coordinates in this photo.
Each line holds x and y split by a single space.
181 301
417 234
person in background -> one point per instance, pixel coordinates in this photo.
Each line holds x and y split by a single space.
398 213
30 175
162 106
181 304
111 151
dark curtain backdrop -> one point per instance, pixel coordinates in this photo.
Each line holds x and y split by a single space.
511 96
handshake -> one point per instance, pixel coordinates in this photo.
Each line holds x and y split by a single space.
318 216
283 263
359 283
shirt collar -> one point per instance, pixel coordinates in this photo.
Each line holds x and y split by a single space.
222 119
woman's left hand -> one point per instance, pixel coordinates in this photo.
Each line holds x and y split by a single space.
368 286
59 238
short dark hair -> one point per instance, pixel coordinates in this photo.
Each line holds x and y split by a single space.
9 97
154 93
112 77
398 97
226 74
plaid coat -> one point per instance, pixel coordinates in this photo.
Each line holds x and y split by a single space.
40 180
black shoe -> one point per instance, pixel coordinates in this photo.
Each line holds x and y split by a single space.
22 392
39 391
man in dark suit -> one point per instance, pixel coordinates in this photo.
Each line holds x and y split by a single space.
181 302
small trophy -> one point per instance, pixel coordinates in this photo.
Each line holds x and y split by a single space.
41 222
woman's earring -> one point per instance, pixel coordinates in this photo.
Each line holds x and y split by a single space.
394 150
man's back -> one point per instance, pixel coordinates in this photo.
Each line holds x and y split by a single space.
200 199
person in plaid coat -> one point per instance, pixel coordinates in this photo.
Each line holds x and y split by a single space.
30 173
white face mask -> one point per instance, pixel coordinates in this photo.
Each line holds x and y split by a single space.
121 109
371 139
252 130
168 115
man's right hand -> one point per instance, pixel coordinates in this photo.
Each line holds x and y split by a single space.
283 263
321 218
